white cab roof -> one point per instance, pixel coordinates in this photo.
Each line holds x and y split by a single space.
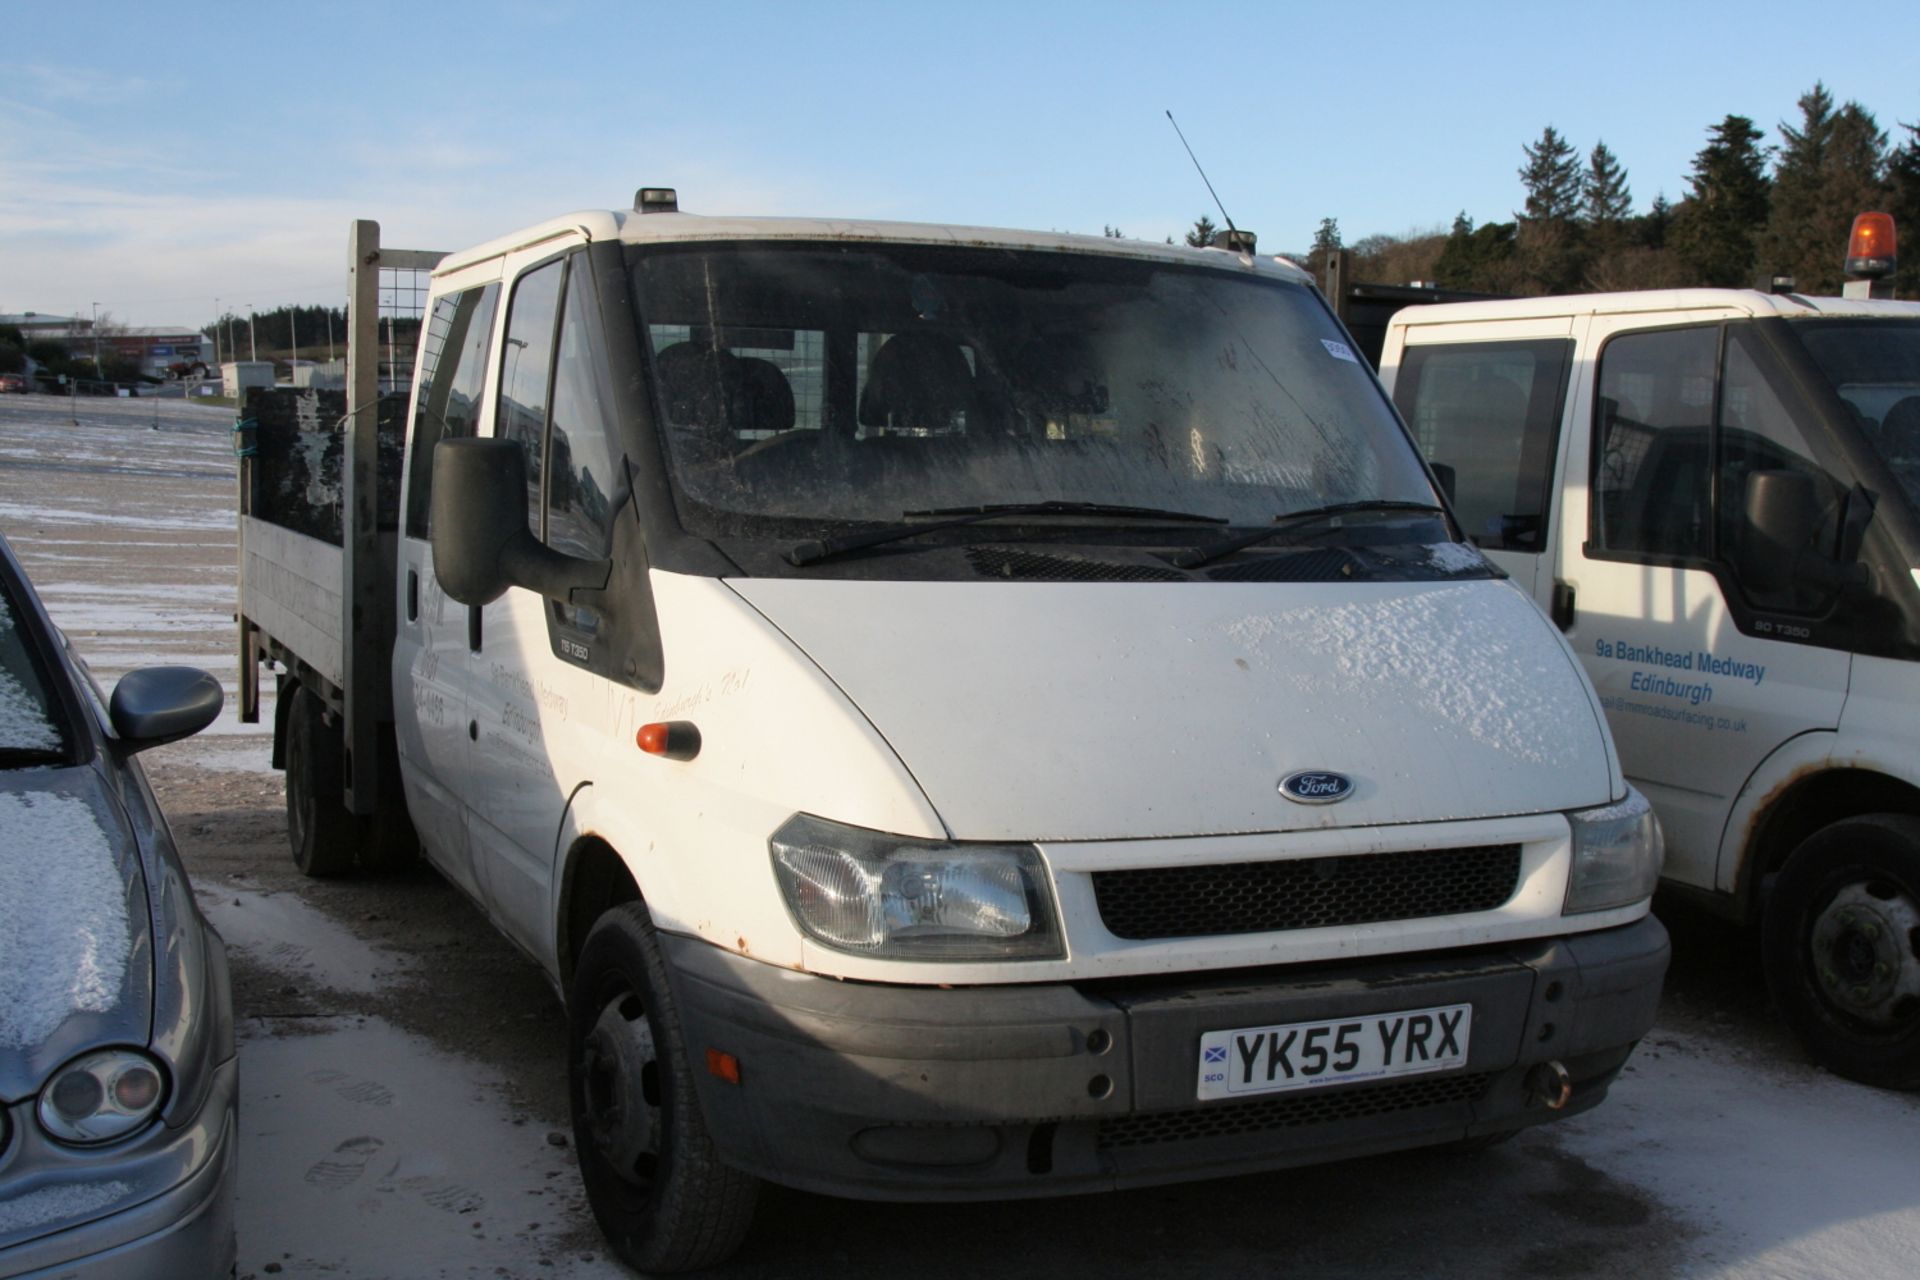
1747 302
682 228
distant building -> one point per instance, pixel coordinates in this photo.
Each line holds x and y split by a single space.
154 349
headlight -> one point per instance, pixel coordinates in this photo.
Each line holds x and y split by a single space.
903 899
1617 851
101 1096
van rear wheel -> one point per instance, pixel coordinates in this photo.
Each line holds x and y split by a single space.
323 835
658 1188
1841 936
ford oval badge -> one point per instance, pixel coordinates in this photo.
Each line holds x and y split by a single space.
1316 786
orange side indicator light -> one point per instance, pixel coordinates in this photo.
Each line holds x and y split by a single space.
723 1065
674 739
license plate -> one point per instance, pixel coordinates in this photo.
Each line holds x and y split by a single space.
1304 1055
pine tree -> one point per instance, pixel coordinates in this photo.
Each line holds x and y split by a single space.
1551 176
1657 223
1326 243
1607 199
1798 171
1203 231
1715 230
1550 244
1903 202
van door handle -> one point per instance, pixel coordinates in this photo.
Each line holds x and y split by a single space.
473 627
1561 610
413 594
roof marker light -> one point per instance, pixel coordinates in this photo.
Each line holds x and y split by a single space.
1872 250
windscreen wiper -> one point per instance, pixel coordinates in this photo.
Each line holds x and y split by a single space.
22 757
815 550
1194 557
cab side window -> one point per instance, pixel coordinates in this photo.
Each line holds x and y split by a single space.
1491 412
1653 444
526 372
1758 433
453 373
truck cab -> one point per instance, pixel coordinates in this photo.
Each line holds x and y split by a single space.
959 713
1713 493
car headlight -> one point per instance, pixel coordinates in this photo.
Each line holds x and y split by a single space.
101 1096
903 899
1617 852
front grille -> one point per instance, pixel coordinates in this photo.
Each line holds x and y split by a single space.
1291 1111
1032 566
1305 893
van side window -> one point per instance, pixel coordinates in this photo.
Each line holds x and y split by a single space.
1653 429
1758 433
1491 411
453 374
526 371
585 483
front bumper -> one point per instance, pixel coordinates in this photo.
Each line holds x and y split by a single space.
917 1093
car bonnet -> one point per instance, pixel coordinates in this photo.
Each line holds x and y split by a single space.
1098 711
76 949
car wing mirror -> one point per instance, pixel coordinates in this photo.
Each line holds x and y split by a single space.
155 705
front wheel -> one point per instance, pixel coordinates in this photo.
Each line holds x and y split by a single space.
657 1185
1841 936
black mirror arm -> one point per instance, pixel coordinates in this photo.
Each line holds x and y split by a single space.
527 562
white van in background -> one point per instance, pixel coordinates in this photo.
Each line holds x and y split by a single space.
1716 495
957 713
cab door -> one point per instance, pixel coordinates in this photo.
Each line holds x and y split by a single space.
431 632
541 717
1702 676
1485 401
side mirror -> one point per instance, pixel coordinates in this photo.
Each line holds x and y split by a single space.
481 544
1781 512
155 705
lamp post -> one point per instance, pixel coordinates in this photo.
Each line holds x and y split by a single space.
216 331
95 329
253 351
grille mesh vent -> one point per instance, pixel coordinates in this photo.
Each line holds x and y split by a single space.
1030 566
1290 1111
1305 893
1324 564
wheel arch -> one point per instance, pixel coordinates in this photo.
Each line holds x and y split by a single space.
593 879
1811 796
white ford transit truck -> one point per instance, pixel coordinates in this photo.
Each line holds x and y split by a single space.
957 713
1716 494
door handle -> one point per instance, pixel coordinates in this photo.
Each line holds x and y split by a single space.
473 627
413 594
1561 610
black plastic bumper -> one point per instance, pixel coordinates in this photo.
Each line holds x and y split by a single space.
915 1093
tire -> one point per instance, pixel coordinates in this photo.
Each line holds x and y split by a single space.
1841 938
325 838
658 1188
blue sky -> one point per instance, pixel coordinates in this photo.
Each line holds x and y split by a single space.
153 158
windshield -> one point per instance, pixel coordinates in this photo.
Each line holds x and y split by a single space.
1875 366
834 383
29 730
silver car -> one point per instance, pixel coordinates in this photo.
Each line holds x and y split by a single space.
117 1075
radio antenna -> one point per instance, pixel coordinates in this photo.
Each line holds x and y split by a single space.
1202 172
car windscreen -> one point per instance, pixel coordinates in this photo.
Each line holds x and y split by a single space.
31 729
1874 365
858 382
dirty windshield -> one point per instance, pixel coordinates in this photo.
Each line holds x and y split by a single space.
861 383
1875 366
